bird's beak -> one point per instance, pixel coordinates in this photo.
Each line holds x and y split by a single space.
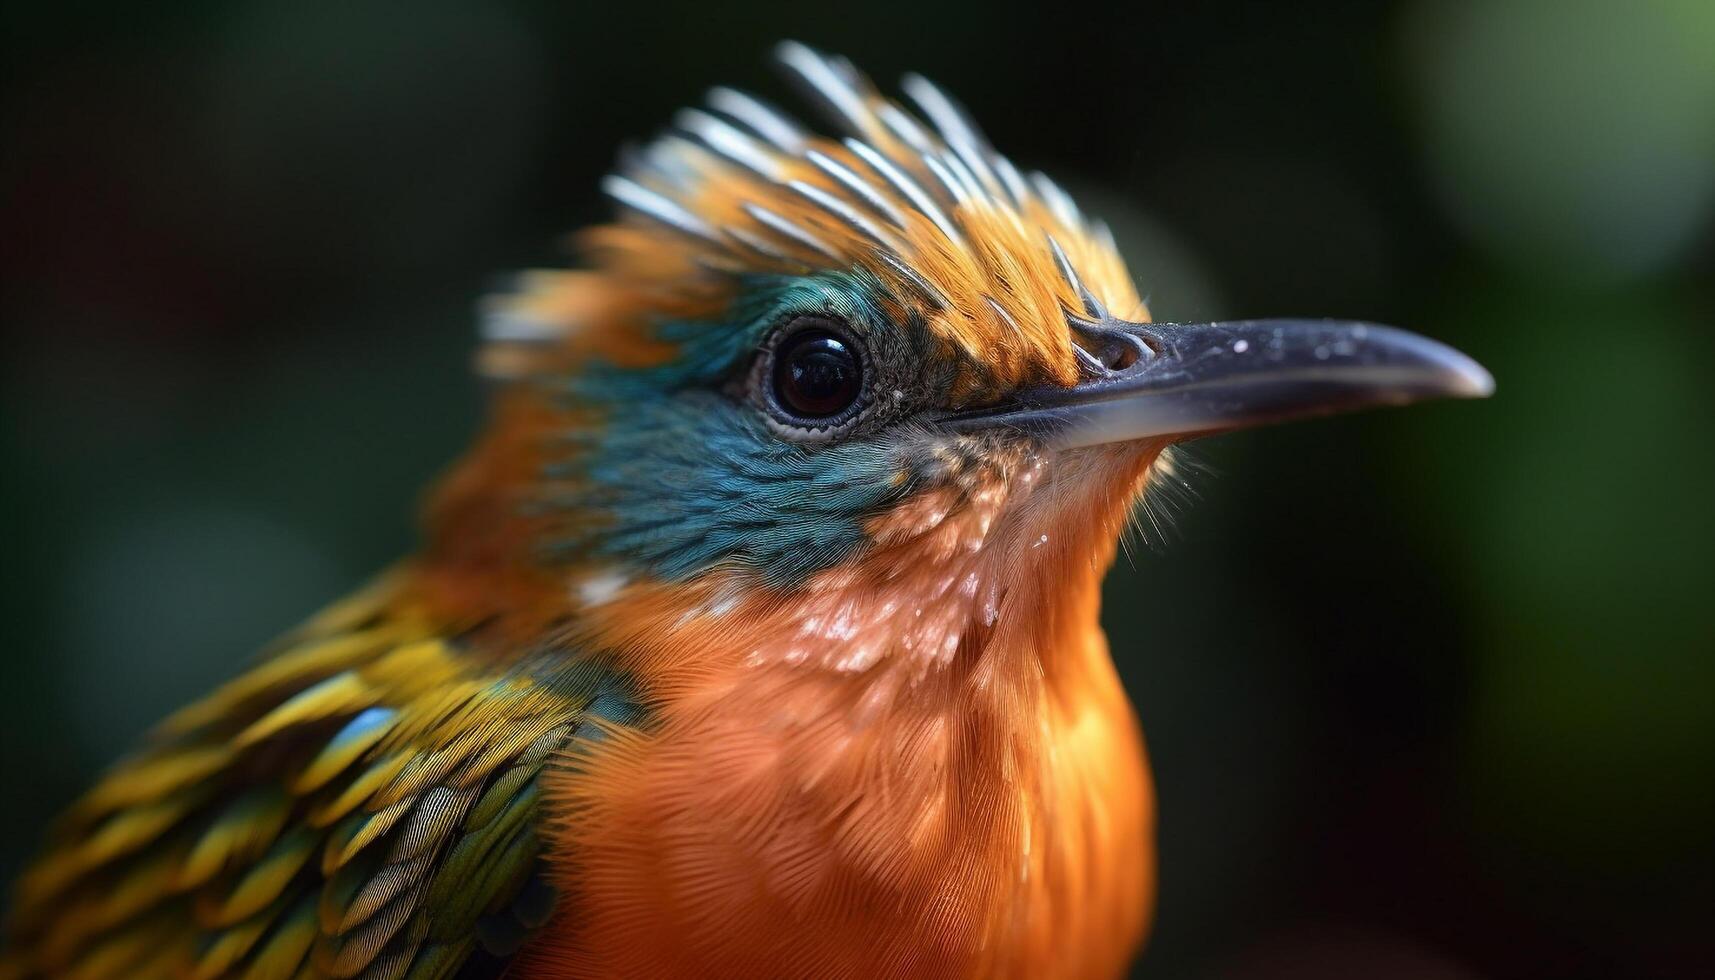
1179 380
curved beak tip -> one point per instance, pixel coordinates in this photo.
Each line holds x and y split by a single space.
1442 371
1469 379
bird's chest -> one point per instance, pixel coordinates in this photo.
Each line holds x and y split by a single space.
783 824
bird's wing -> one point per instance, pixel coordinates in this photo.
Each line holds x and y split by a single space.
363 802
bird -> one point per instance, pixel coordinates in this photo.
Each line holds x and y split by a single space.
758 633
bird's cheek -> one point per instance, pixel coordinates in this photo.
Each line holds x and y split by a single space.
1089 491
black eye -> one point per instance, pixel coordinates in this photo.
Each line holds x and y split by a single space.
816 374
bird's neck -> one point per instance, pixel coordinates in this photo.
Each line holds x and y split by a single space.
996 579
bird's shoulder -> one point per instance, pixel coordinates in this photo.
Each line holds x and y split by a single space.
364 801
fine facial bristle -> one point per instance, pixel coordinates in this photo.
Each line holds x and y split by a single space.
762 119
844 212
862 189
1011 179
1058 200
1092 305
923 287
757 244
974 188
908 188
905 128
955 127
1001 312
786 229
651 204
917 199
956 192
844 104
728 143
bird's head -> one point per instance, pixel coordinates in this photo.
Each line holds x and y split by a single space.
883 384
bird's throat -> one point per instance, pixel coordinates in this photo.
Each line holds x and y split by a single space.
990 568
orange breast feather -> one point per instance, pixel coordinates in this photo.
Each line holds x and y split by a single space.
917 766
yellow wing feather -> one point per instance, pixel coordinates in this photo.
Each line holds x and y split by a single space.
354 805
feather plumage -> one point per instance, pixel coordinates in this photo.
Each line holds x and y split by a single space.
355 805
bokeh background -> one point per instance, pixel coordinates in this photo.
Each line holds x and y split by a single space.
1430 693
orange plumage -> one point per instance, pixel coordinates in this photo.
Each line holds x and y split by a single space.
921 765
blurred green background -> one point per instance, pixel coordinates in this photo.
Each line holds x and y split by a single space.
1430 693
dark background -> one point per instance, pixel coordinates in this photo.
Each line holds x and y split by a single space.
1429 692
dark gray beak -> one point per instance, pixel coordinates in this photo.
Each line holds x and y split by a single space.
1179 380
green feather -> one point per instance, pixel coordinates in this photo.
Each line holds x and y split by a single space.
359 803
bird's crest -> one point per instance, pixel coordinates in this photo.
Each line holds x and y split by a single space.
1000 265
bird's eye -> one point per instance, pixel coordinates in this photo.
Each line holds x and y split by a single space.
816 374
813 379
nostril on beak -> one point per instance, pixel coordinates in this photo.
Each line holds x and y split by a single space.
1103 352
1121 356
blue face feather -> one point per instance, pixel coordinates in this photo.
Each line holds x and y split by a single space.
688 474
